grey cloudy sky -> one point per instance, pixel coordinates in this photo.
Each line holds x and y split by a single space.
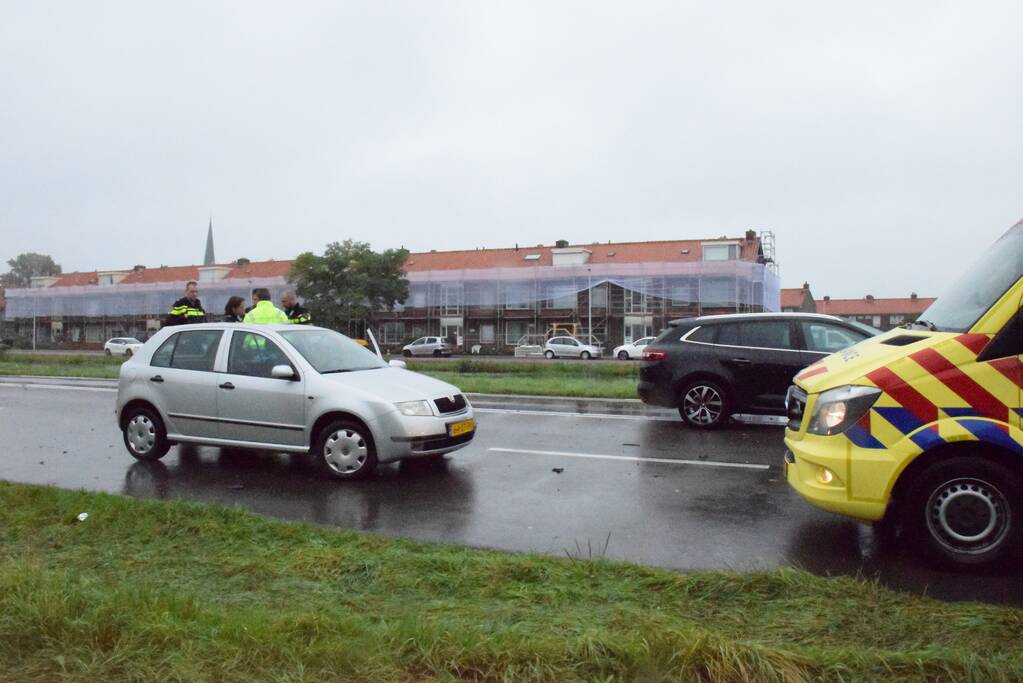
880 141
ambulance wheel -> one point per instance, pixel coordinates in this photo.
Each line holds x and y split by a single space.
965 512
704 404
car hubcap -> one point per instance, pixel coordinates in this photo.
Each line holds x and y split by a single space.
623 356
345 451
703 405
968 515
141 434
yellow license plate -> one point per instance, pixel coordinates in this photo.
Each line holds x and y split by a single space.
460 428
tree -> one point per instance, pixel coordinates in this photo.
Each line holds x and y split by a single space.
350 282
27 266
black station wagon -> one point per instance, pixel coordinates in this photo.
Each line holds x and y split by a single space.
715 366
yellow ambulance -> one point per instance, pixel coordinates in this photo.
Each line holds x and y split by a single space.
920 428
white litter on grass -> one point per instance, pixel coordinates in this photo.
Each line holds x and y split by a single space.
82 517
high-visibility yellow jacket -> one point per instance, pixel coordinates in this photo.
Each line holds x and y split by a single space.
265 313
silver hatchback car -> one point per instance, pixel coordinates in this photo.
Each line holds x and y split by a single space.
288 388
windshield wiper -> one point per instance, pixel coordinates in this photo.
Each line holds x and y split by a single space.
331 372
925 323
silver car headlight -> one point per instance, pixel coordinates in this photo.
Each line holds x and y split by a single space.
839 409
415 408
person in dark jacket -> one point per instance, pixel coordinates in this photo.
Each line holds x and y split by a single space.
296 312
234 311
187 309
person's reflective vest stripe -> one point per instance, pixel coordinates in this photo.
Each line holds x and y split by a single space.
186 311
298 315
265 313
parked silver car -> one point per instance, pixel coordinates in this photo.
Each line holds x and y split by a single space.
428 346
570 347
285 388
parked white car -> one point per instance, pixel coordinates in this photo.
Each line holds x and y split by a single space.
570 347
632 350
122 346
285 388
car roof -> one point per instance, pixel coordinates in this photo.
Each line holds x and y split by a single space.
276 327
756 316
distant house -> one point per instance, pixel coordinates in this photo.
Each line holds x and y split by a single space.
884 314
798 300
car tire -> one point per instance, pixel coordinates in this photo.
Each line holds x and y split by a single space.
623 355
704 404
144 434
406 353
344 449
965 512
437 353
548 354
127 353
585 355
108 352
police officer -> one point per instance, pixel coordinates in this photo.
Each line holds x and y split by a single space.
296 312
264 312
187 309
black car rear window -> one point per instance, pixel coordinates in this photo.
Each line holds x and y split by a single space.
706 334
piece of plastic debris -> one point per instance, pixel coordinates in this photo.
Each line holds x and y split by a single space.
84 516
557 470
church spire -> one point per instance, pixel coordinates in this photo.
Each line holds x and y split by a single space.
209 259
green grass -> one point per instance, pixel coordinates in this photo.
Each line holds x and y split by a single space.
594 379
59 365
179 591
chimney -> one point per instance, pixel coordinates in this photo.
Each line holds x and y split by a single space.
806 286
138 269
751 235
242 262
827 298
913 296
561 244
870 298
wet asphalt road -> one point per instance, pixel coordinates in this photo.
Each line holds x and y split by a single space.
640 488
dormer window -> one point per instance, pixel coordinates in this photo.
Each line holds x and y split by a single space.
531 257
720 251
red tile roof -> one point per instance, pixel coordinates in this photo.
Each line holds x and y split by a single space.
874 306
792 298
666 251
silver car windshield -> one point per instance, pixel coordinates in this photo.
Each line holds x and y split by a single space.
329 352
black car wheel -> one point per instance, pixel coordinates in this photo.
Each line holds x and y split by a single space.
344 449
965 512
585 355
145 437
704 404
406 353
623 355
549 355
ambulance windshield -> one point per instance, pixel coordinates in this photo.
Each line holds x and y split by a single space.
962 305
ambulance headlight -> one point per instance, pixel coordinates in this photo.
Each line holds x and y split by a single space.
838 409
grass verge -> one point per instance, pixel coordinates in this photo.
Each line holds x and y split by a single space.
595 379
154 591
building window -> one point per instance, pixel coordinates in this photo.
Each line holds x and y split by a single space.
716 292
518 297
487 333
561 296
481 294
393 332
637 302
514 330
451 299
417 296
895 320
720 252
598 296
681 293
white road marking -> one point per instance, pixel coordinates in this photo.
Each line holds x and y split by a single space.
667 461
551 413
62 387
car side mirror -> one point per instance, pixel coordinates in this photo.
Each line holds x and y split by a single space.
398 363
282 372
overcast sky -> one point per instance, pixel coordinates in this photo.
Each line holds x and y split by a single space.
880 141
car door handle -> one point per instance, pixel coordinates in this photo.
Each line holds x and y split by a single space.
157 378
739 361
227 385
